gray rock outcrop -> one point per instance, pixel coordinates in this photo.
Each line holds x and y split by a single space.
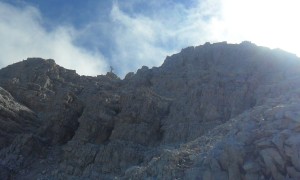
215 111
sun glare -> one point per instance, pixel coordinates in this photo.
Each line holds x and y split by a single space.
272 23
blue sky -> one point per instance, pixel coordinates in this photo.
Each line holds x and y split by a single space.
91 35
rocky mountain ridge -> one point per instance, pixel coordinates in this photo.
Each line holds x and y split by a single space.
215 111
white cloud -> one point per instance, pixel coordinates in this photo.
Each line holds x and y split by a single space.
22 35
146 38
135 41
134 36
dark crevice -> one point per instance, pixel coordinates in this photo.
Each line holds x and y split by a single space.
109 131
160 134
70 129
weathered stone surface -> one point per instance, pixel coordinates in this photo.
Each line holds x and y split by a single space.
216 111
15 119
24 151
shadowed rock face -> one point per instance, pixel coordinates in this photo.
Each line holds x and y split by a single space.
14 118
216 111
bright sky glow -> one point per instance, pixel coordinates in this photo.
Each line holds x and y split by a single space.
90 35
271 23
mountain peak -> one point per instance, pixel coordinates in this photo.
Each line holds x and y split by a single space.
210 111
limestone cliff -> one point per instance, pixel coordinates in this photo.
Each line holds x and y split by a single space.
215 111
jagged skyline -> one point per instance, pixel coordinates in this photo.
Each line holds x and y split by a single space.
217 111
90 36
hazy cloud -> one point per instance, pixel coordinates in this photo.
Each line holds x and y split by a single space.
140 32
22 35
146 39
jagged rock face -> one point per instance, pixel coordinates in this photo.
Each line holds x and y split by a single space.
49 91
15 119
216 111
